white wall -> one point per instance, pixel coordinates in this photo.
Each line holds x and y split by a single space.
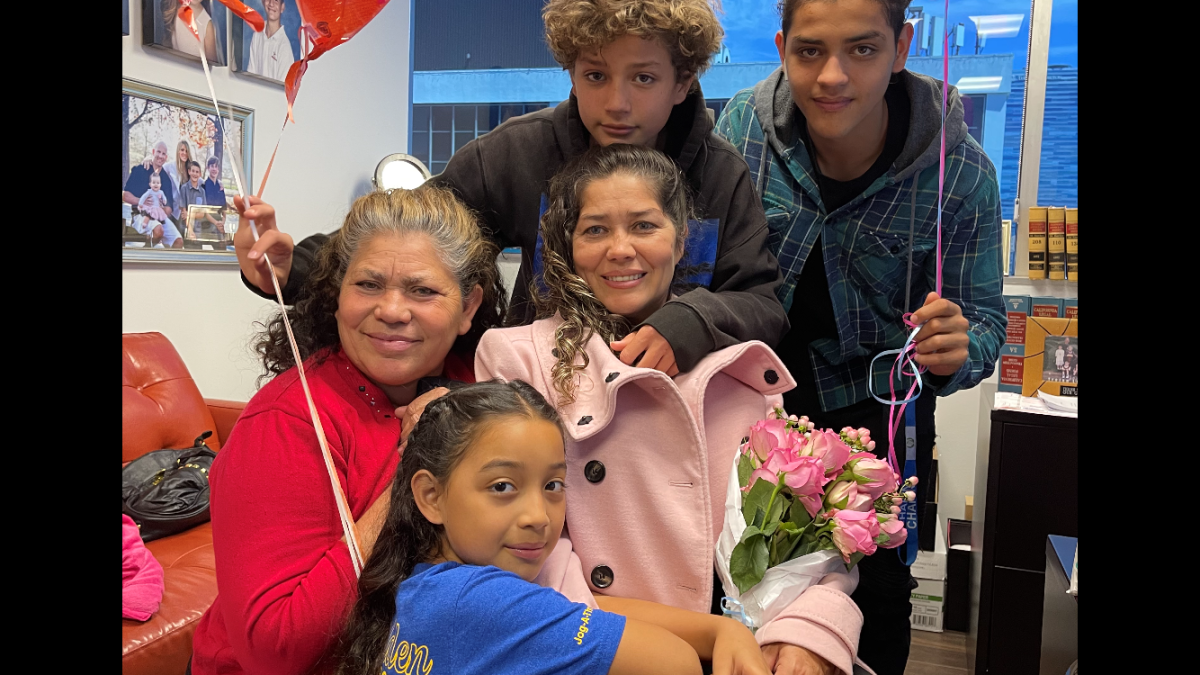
963 424
351 111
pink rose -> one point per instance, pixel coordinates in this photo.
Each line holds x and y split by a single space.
854 532
829 448
892 531
861 502
841 493
766 435
805 479
762 473
779 459
873 475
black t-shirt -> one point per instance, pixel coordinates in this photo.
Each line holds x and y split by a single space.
812 316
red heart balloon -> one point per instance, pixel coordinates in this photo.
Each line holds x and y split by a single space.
245 13
325 24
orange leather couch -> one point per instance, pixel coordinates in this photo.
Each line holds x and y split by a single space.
161 407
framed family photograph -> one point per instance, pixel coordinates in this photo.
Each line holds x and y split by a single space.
177 175
163 28
267 55
1060 360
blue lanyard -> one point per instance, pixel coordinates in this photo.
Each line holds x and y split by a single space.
908 510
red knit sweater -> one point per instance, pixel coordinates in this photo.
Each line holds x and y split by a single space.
284 576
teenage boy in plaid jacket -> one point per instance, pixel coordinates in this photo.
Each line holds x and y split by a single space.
843 146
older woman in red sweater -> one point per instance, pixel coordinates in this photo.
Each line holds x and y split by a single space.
402 293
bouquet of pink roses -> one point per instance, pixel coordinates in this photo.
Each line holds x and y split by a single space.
803 502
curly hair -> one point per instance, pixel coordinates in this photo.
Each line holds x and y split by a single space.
688 29
428 210
893 11
559 289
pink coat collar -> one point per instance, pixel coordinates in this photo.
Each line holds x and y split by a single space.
752 363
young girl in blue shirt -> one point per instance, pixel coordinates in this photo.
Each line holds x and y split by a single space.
477 506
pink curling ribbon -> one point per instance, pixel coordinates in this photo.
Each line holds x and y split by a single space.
904 362
343 508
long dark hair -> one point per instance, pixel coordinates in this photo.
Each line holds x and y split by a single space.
559 289
428 210
448 426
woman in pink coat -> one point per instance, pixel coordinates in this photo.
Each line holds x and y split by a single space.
649 450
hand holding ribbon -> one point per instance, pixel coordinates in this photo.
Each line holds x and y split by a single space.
942 341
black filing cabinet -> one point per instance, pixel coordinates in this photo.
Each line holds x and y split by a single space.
1026 487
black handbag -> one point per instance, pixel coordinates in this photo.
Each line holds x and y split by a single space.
166 491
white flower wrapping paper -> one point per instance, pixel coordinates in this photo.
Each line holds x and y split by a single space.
782 584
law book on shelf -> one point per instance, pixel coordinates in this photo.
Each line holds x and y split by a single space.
1056 243
1072 237
1012 368
1037 242
1016 308
1071 308
1046 307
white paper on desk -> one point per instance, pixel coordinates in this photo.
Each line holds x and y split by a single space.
1062 403
1007 400
1033 404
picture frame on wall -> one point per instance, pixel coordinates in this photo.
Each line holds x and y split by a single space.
125 17
177 175
270 54
163 29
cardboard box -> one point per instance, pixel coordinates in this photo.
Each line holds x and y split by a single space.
928 606
970 507
1043 340
932 564
1045 307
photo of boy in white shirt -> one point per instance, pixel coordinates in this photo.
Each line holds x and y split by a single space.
271 51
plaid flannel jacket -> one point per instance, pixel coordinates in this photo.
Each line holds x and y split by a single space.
867 253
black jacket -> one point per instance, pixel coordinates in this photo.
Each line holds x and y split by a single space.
504 174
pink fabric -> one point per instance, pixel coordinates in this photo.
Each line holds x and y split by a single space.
141 575
564 573
820 618
655 517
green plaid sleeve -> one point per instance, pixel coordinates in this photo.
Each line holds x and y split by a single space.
972 277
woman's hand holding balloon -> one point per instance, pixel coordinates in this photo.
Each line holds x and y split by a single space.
277 245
